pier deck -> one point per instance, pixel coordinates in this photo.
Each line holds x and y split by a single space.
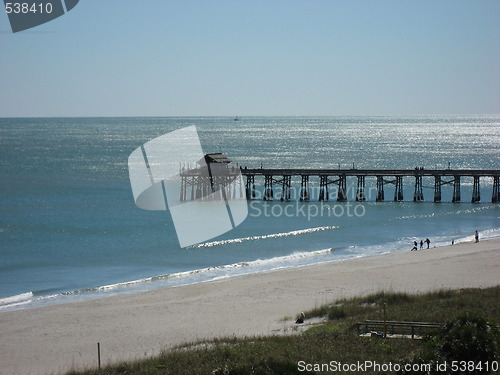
370 172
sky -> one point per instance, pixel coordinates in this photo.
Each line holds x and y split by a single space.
255 58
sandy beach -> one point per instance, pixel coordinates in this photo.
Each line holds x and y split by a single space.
54 339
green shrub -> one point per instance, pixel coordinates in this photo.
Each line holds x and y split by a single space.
466 339
269 367
336 313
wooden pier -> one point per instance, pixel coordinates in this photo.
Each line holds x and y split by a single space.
216 178
383 177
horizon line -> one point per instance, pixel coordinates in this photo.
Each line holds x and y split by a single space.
250 116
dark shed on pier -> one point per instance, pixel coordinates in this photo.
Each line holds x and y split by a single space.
217 158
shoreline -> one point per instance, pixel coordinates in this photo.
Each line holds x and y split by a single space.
56 338
31 299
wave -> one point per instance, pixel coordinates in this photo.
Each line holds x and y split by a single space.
17 300
33 299
448 213
255 263
264 237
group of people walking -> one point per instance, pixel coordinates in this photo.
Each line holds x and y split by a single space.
415 244
428 242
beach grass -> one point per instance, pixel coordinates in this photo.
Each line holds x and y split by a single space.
437 306
331 340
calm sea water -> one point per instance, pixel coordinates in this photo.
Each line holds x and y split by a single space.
69 228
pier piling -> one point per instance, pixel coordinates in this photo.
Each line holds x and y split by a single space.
380 189
360 193
495 197
250 187
342 192
285 188
437 189
398 192
476 195
418 195
304 188
268 188
456 190
323 188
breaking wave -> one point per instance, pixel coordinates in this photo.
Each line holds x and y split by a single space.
264 237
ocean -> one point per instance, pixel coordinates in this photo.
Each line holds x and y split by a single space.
70 230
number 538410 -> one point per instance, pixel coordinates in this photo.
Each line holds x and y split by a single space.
24 8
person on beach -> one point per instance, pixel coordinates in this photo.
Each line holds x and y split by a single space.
421 244
428 242
301 318
476 236
414 246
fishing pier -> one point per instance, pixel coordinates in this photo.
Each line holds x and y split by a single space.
214 177
381 177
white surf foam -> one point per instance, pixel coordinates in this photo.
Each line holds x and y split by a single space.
17 300
264 237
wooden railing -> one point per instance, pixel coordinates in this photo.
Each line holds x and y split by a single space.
384 328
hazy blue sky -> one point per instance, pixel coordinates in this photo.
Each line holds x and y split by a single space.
258 57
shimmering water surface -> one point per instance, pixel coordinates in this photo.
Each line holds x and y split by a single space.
70 230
